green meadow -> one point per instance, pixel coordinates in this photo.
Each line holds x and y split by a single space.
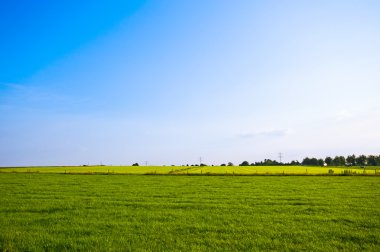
58 212
218 170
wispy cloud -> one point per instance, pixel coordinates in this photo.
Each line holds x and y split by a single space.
11 86
37 98
265 133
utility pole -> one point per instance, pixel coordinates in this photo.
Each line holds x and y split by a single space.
200 161
280 156
146 163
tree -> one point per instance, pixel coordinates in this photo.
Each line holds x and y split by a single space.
230 164
135 164
361 160
371 160
314 162
245 163
328 160
342 160
306 161
377 160
351 160
339 161
321 162
311 161
223 165
294 162
270 162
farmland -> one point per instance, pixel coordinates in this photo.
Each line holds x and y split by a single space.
194 170
49 211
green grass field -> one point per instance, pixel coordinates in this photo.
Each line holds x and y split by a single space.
55 212
243 170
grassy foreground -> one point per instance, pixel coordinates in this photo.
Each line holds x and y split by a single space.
189 213
193 170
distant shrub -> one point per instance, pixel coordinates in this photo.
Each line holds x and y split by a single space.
135 164
331 171
349 172
245 163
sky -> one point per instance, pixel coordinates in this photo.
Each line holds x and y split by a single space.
167 82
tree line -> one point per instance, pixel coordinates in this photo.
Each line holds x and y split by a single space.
350 160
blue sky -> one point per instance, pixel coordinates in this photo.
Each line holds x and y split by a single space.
170 81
